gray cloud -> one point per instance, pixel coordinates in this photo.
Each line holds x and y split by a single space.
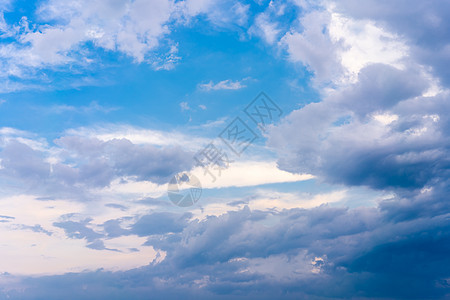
21 161
365 252
160 223
79 230
120 157
87 162
380 87
339 140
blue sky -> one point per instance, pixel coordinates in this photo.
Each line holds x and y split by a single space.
342 195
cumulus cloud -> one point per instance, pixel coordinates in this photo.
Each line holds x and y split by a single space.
344 138
343 141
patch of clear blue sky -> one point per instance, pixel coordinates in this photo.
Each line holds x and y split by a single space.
151 99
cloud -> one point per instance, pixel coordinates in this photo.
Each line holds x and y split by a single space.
313 46
92 107
43 248
336 47
271 254
160 223
239 174
78 230
343 139
184 106
130 27
221 85
66 36
406 153
424 26
140 136
76 165
265 28
20 161
62 36
146 162
222 14
246 173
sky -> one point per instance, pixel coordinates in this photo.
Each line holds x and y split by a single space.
206 149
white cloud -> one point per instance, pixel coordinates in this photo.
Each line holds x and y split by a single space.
364 43
39 253
269 200
239 174
265 28
248 173
219 12
222 85
385 119
141 136
184 106
313 46
92 107
132 27
137 28
336 47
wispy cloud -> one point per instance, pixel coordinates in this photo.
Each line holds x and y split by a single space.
222 85
92 107
184 106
